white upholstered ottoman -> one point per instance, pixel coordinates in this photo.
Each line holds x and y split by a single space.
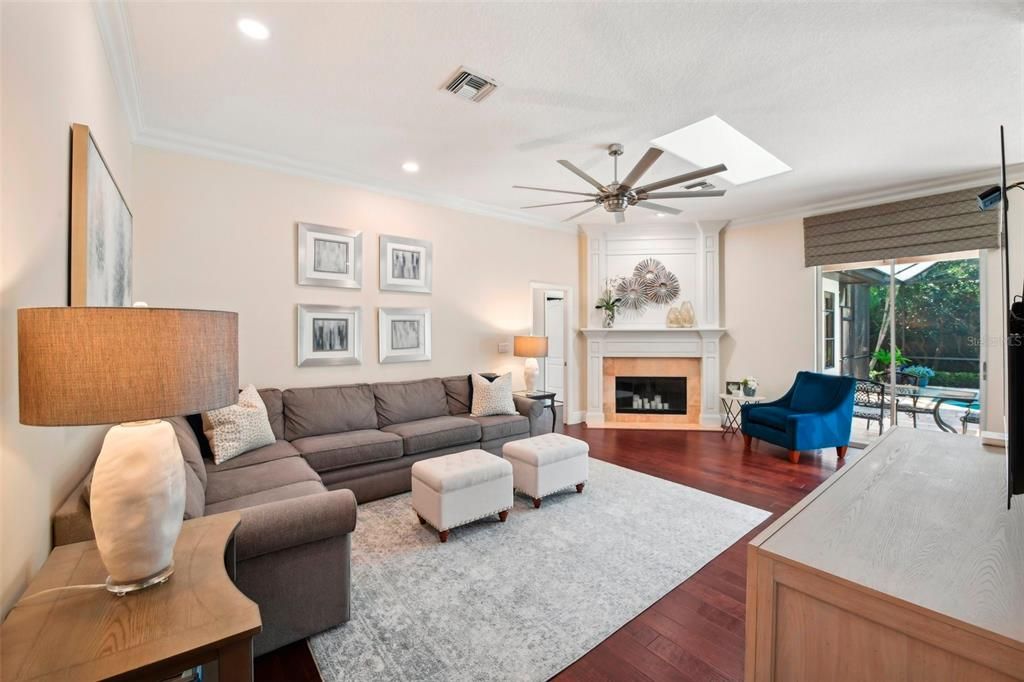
546 464
453 490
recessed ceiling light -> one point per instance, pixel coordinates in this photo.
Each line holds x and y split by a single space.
713 141
411 167
254 29
660 215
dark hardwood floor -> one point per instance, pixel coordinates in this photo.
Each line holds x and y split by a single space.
695 632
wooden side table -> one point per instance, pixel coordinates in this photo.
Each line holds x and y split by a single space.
90 634
543 395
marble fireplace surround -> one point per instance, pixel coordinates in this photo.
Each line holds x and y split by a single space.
690 251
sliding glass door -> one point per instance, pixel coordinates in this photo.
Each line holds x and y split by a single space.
907 330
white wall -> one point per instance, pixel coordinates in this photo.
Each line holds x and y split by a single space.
768 304
54 73
215 234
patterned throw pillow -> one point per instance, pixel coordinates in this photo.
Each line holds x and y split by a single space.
493 397
238 428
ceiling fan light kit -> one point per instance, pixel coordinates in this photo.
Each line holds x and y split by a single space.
617 196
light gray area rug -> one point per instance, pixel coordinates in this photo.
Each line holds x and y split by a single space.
520 600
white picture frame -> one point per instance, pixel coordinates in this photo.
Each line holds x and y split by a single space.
329 256
329 335
404 334
406 264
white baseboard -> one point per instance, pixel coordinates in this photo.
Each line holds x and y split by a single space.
575 417
993 438
593 418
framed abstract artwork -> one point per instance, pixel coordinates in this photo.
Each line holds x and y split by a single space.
404 334
329 335
329 257
100 267
405 264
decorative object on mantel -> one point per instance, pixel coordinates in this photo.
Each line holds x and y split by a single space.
101 228
80 366
631 292
749 386
608 303
682 316
649 270
663 290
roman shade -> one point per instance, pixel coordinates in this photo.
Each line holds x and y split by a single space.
925 226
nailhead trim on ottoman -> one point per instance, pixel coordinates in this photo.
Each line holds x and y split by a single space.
453 490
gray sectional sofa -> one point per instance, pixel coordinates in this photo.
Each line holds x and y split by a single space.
336 445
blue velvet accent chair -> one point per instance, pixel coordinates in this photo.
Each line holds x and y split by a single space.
815 413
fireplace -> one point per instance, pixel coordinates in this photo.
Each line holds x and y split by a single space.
650 395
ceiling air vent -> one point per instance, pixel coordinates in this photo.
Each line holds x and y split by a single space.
468 85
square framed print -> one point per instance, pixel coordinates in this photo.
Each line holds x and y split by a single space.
404 334
101 229
405 264
330 257
734 387
329 335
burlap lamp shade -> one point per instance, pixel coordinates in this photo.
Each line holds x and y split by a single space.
85 365
531 348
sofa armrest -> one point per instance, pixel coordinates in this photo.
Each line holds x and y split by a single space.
537 411
279 525
72 521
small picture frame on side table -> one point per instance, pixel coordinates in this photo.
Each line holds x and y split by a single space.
734 387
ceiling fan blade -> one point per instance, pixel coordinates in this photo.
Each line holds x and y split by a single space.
690 194
577 215
601 188
559 191
641 167
620 217
561 203
685 177
661 208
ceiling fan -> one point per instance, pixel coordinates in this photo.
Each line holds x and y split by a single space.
618 196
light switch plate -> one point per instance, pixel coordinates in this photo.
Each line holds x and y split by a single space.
504 347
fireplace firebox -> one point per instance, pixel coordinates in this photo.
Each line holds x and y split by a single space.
650 395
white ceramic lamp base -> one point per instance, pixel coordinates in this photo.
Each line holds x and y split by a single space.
530 372
137 503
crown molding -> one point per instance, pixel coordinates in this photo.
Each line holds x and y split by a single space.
115 34
908 191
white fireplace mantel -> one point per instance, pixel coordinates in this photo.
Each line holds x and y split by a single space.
660 342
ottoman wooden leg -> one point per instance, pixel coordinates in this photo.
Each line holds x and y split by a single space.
423 521
536 503
502 515
442 535
579 487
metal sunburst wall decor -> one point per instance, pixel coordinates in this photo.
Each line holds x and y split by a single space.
649 270
630 292
663 289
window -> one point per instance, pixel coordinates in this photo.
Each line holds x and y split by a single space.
829 329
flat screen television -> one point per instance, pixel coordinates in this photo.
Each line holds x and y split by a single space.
1014 351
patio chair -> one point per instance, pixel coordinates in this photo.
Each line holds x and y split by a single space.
971 416
869 402
910 403
815 413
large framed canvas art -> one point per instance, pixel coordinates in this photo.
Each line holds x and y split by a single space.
100 266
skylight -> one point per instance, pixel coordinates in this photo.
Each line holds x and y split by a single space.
713 141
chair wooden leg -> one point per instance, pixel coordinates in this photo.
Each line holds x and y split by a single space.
746 441
841 451
794 456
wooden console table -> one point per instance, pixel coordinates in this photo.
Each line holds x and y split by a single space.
90 634
904 565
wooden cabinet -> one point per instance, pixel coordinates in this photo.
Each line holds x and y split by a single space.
904 565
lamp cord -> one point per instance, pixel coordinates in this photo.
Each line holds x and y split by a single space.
61 589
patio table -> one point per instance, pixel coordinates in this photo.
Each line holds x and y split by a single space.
939 395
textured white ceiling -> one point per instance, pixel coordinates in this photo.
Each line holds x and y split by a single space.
856 97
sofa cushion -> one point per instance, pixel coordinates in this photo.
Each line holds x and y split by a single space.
238 428
225 485
424 435
814 392
774 417
328 409
284 492
399 402
274 401
493 397
190 448
502 426
459 394
279 449
336 450
195 496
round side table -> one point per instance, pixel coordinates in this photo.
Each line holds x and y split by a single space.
731 410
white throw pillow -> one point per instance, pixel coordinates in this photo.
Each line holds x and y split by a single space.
493 397
238 428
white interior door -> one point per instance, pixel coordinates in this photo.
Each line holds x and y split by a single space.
554 329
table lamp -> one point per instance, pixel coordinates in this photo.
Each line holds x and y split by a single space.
84 365
531 348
